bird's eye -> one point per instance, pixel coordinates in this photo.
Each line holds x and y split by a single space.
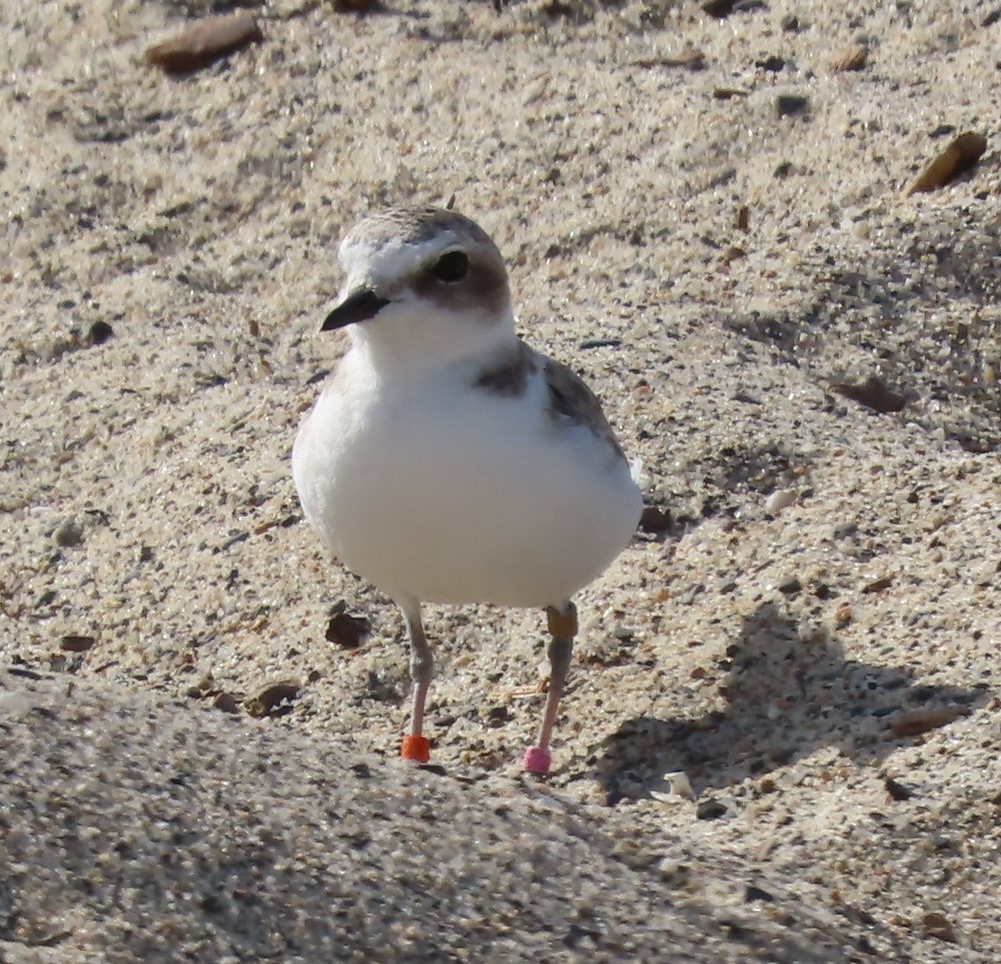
451 267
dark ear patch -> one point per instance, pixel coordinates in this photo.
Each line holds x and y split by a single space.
467 281
451 267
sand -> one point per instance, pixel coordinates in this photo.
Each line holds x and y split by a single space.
810 636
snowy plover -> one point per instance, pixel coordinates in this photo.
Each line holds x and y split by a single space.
448 462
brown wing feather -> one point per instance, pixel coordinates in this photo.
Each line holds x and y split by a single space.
571 399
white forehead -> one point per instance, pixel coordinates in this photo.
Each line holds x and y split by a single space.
400 242
391 259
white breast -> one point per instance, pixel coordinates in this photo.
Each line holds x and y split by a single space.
438 492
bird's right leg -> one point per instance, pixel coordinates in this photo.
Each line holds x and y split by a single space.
563 629
416 746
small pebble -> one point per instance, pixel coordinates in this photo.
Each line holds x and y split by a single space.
76 644
68 533
877 585
718 8
780 499
872 393
854 58
753 893
205 42
921 721
353 6
960 156
772 64
273 700
99 333
710 810
897 790
789 105
654 520
226 702
938 925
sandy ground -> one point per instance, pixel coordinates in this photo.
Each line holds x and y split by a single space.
825 584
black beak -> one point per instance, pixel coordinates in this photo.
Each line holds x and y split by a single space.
360 305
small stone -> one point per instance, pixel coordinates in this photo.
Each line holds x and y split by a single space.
934 924
99 333
789 105
689 58
743 218
205 42
960 156
916 722
772 64
654 520
498 715
897 790
728 93
68 533
790 23
791 587
780 499
226 702
710 810
718 8
854 58
753 893
872 393
674 871
354 6
76 644
275 699
877 585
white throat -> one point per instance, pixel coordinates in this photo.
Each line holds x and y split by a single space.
415 338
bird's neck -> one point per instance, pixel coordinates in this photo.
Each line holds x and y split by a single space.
416 347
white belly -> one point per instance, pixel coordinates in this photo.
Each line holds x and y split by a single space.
438 493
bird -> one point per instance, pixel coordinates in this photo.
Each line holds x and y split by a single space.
446 461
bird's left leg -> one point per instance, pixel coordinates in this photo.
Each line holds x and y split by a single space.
563 629
415 745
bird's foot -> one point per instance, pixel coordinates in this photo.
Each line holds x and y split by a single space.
417 749
537 761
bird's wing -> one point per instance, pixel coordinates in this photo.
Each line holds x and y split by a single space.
571 401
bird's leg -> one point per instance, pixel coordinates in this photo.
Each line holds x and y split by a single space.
416 746
562 628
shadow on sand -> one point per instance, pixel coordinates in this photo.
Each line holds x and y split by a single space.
787 697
